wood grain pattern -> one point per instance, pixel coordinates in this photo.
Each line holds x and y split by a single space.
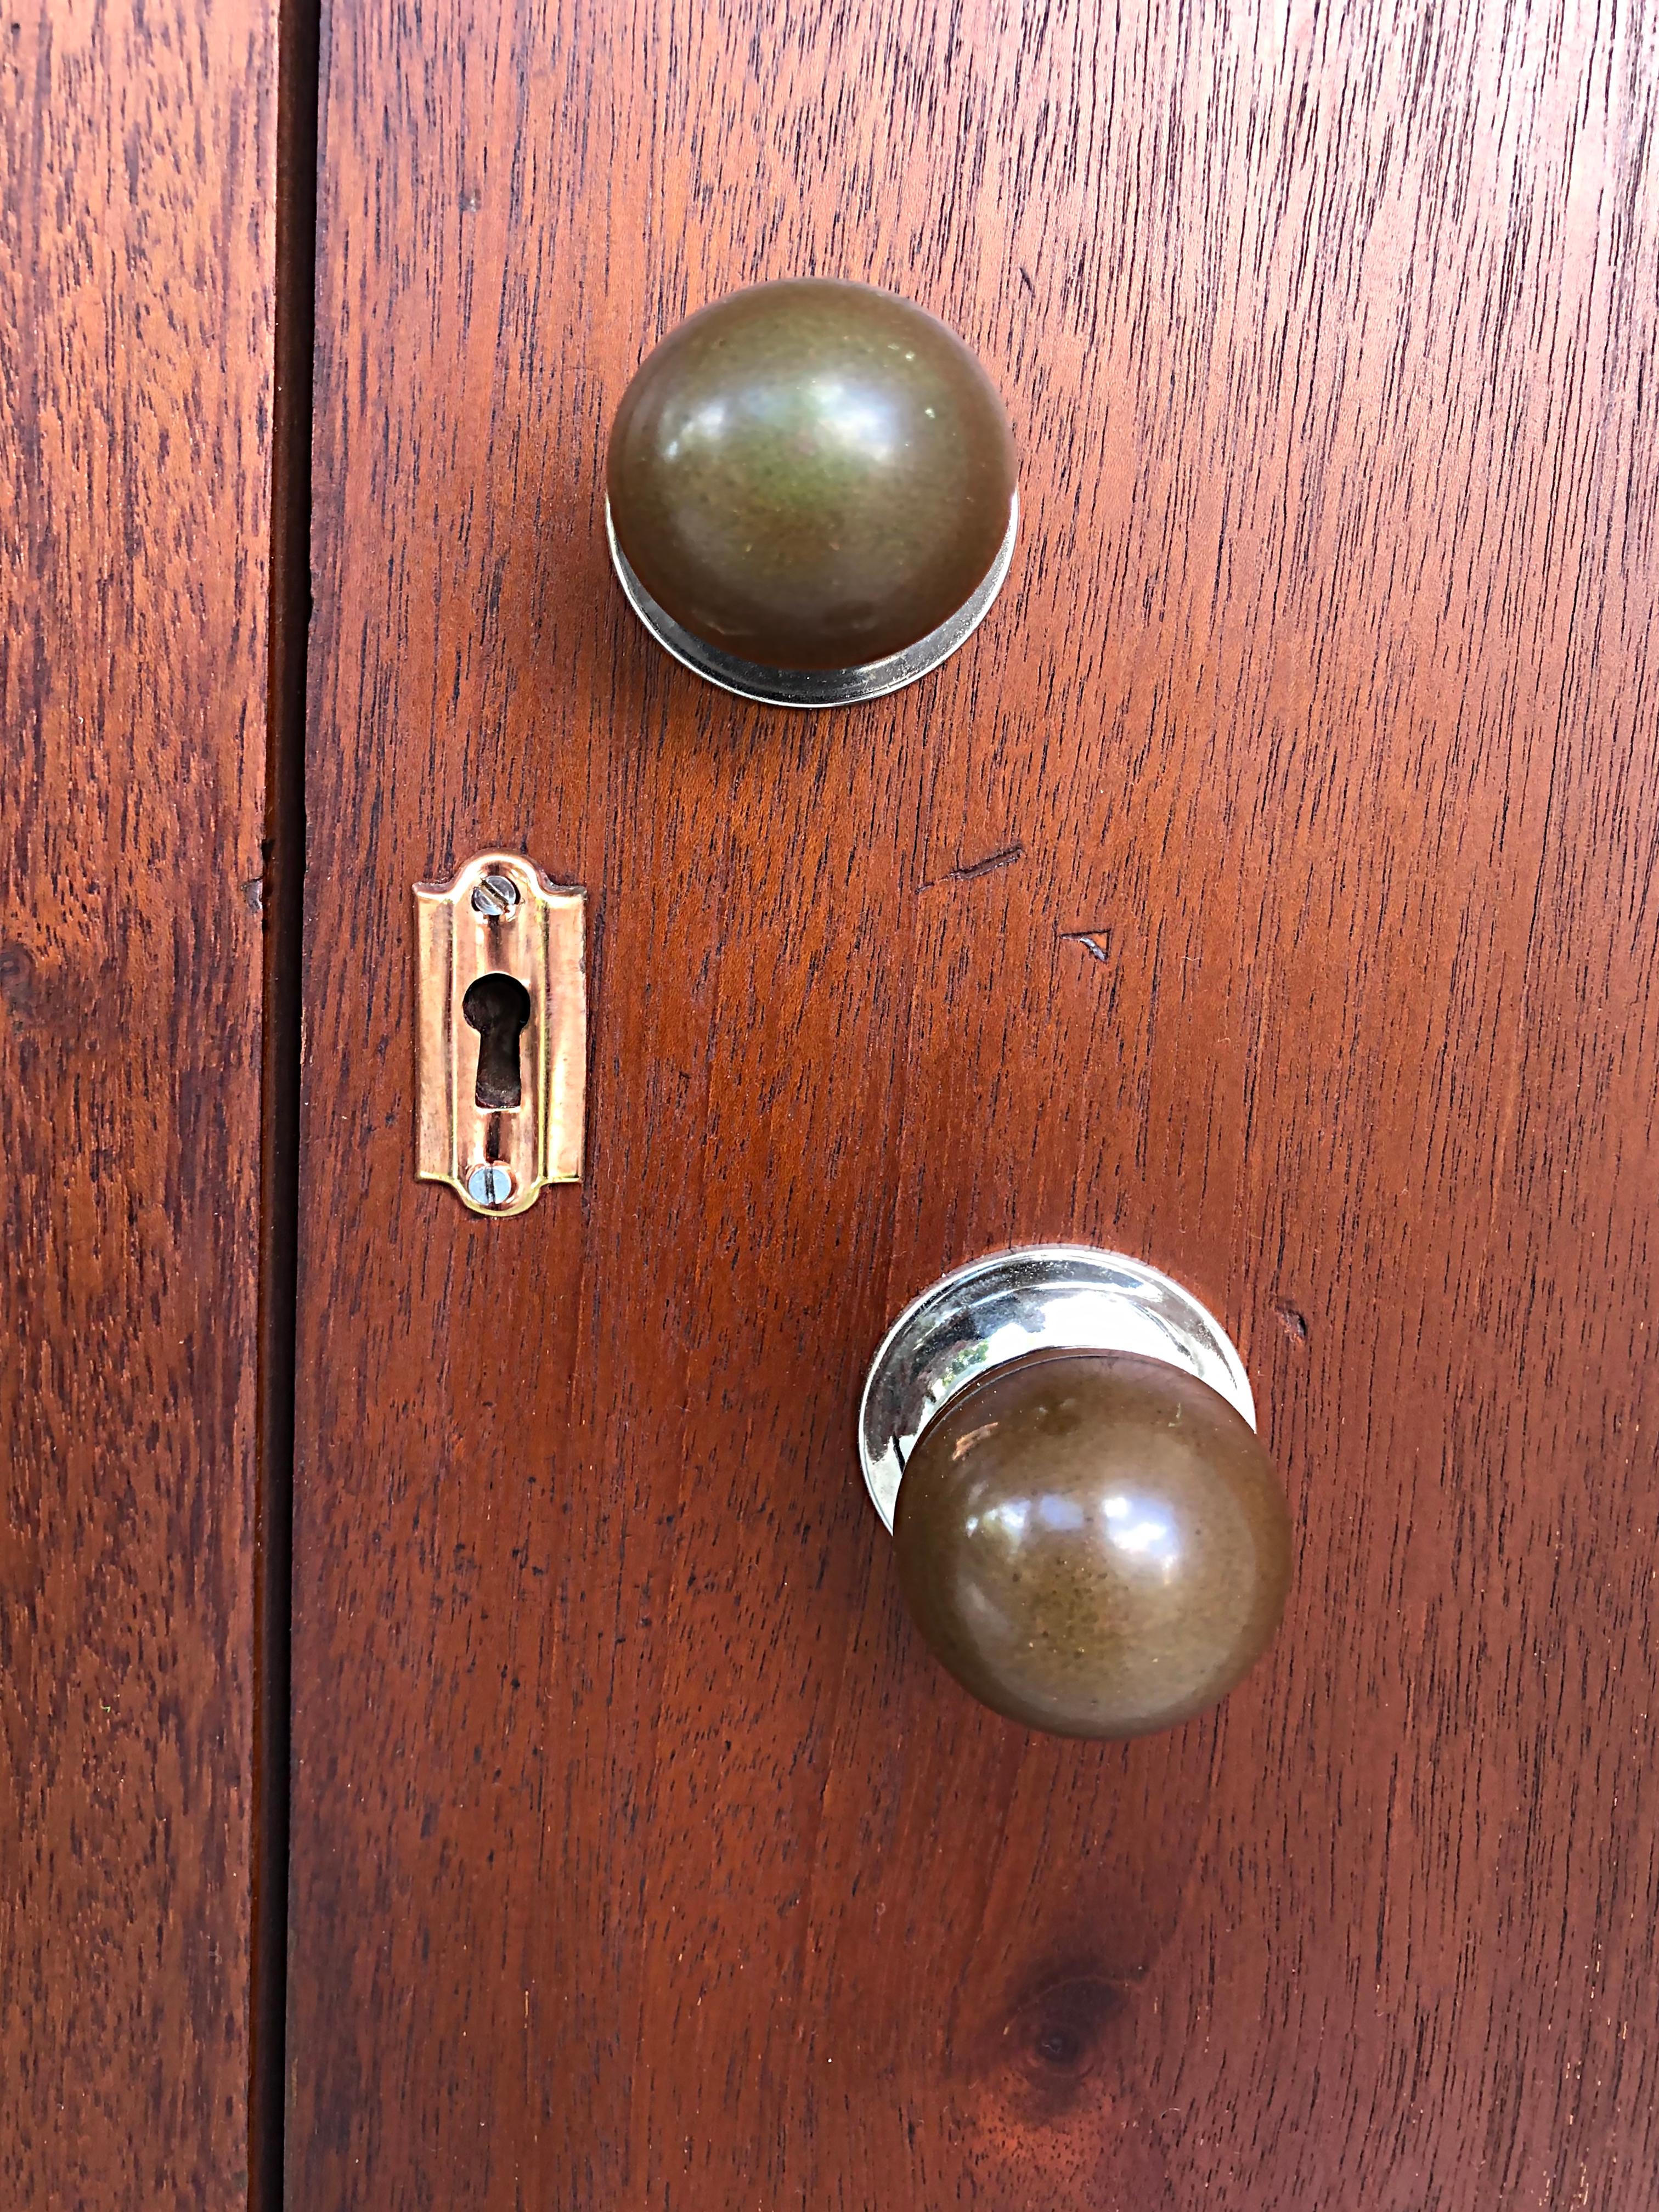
136 365
641 1856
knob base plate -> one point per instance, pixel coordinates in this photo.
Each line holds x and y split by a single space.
815 687
1040 1297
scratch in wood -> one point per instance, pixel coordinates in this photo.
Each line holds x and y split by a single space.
1097 943
966 872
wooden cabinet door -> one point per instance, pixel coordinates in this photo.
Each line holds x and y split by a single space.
140 1943
1269 890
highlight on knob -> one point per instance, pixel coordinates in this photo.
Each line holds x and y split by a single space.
810 493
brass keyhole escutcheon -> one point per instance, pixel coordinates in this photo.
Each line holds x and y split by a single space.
500 1028
498 1007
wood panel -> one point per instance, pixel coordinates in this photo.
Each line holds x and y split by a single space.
136 200
1269 890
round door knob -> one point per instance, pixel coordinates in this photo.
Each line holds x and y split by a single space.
810 494
1087 1531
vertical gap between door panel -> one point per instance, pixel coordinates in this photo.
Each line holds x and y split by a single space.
298 52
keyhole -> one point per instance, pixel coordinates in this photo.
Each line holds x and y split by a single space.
497 1007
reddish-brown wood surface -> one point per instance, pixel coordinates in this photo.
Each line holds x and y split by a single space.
1269 890
136 200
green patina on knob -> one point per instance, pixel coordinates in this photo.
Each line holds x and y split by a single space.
811 474
1093 1543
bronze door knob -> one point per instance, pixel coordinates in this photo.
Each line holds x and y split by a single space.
1087 1531
810 494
